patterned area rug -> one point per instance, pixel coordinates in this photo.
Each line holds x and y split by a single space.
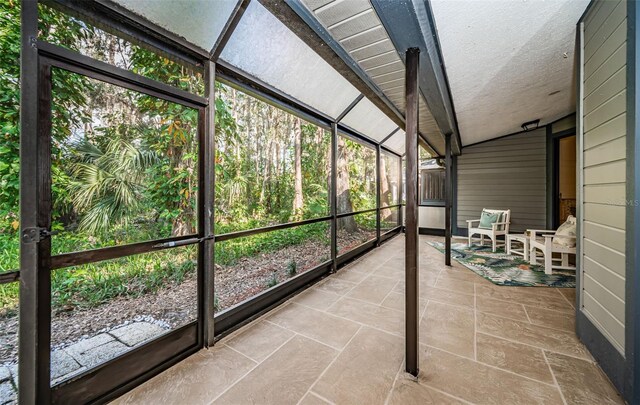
503 269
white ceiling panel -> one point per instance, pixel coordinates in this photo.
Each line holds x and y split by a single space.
198 21
367 119
508 62
263 47
355 25
396 142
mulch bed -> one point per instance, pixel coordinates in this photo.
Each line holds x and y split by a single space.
175 305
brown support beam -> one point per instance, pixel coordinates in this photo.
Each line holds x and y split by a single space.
378 190
411 237
400 193
448 197
35 205
334 197
207 209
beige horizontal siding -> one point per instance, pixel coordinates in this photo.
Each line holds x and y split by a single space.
606 111
606 152
609 257
610 194
594 21
607 90
605 214
616 61
610 280
604 321
605 235
610 172
506 173
613 304
606 132
603 262
611 44
614 14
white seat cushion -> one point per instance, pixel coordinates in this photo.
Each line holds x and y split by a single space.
567 229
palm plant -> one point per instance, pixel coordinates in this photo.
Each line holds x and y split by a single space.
108 183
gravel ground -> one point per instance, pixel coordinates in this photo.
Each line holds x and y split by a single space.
176 305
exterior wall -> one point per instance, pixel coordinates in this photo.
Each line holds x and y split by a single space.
564 124
428 217
431 217
505 173
602 153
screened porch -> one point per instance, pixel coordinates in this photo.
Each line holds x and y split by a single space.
260 201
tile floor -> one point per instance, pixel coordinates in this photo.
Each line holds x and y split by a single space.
341 342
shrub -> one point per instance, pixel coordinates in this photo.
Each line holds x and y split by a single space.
273 281
292 268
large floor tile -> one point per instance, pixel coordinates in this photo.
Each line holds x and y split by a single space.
411 391
552 319
311 399
535 291
341 342
390 270
365 370
582 382
396 301
459 286
506 309
467 275
316 298
536 296
259 340
284 377
197 380
425 280
538 336
569 294
478 383
335 286
328 329
447 296
350 273
516 357
372 289
376 316
449 328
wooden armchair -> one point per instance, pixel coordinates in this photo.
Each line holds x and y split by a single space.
497 228
542 240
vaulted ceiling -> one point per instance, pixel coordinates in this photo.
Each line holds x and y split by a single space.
508 62
486 66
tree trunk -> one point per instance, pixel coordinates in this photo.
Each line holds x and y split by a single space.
298 201
181 227
384 191
344 204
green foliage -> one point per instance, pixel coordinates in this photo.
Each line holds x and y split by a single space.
9 107
361 166
108 184
292 268
70 96
273 281
125 168
230 251
95 284
366 221
255 163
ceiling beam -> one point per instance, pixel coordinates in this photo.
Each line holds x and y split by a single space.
228 29
329 50
409 24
